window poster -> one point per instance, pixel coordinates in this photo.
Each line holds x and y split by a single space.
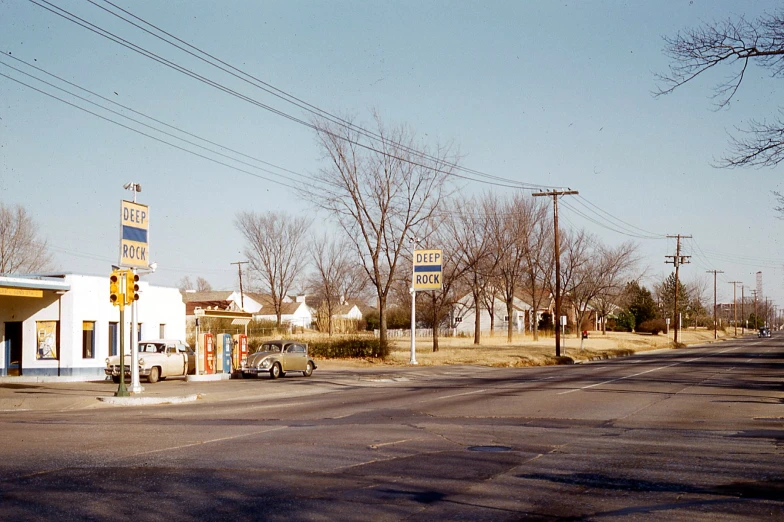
46 332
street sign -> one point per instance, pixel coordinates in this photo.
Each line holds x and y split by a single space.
427 269
134 230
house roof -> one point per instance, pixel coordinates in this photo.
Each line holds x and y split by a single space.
218 295
216 304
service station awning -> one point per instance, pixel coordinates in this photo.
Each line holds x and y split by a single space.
31 286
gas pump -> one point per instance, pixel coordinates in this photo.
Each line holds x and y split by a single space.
207 363
240 351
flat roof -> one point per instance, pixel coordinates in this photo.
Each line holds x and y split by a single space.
34 283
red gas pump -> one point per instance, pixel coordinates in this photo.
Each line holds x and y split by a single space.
240 351
207 362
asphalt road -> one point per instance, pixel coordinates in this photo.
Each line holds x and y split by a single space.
691 434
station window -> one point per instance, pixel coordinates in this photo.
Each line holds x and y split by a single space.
88 339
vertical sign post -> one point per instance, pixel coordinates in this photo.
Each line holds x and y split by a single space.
134 253
427 272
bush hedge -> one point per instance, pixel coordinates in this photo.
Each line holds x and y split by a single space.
652 326
361 347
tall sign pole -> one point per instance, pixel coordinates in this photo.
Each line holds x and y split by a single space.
557 318
427 270
134 253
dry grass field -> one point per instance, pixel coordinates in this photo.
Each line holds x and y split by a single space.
523 351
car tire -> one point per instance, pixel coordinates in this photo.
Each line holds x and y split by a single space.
275 371
155 373
308 370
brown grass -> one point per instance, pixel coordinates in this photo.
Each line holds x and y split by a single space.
524 351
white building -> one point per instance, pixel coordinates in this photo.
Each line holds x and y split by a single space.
64 324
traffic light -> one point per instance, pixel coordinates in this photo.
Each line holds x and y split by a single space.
132 287
115 296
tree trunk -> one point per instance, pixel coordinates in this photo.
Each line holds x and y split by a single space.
382 322
509 305
477 318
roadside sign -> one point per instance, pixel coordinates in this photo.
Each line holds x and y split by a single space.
134 235
427 269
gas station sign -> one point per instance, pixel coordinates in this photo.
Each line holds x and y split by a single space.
134 235
427 269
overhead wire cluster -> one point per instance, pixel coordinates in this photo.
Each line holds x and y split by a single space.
229 157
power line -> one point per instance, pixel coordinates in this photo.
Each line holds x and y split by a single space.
157 129
148 54
285 96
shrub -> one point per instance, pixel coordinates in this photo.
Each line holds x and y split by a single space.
624 322
652 326
361 347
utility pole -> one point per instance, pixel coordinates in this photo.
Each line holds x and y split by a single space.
756 320
557 321
239 269
735 304
742 310
677 260
715 327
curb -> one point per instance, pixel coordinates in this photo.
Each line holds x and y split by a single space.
148 401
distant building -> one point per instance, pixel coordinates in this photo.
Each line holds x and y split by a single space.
64 324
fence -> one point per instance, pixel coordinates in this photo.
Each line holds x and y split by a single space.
419 332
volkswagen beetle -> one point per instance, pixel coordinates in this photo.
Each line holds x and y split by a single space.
277 358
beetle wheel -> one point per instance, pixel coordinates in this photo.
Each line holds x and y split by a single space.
308 370
275 371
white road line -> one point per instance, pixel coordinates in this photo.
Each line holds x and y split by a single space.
457 395
646 371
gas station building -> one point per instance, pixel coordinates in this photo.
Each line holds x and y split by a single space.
64 325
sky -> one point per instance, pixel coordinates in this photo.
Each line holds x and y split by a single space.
556 94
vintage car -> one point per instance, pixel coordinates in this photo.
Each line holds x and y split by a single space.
277 358
158 359
764 332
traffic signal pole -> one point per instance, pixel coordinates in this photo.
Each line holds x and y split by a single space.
122 390
136 386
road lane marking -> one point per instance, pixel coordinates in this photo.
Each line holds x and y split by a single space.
458 395
646 371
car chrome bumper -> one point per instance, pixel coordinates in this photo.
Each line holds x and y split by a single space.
114 371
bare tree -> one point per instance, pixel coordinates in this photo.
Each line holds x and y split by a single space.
734 44
185 284
575 256
601 276
21 248
274 251
379 194
336 275
474 248
511 226
539 260
202 285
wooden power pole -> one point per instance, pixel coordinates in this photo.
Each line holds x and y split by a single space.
735 304
239 269
557 318
677 260
715 321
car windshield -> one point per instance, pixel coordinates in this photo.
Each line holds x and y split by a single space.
268 347
152 347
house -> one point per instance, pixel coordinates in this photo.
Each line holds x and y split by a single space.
293 313
523 316
247 301
64 324
464 314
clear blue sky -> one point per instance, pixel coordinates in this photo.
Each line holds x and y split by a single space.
552 93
